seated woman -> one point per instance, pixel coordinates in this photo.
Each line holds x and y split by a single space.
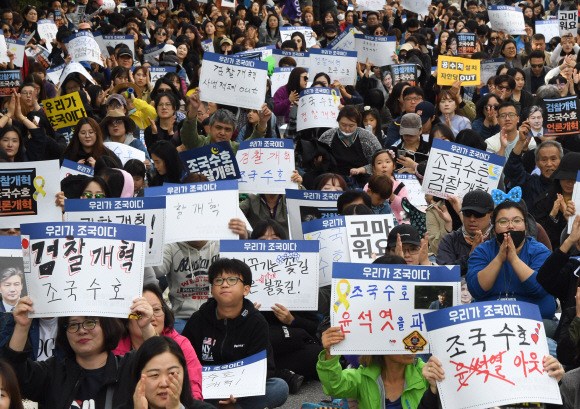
167 163
86 145
506 266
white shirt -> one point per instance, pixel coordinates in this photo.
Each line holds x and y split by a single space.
47 338
8 307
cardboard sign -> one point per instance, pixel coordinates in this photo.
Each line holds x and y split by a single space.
331 236
405 73
414 189
64 111
159 72
126 152
420 7
492 354
367 235
286 34
560 116
376 49
317 107
451 69
266 166
88 269
370 5
302 58
466 45
488 68
207 46
507 18
137 211
380 308
16 47
549 28
567 22
283 271
10 80
233 81
339 65
344 41
47 31
215 161
69 168
307 205
82 46
454 170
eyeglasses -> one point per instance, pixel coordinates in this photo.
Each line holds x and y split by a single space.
488 107
510 115
502 87
413 99
87 324
505 222
230 280
469 213
536 65
165 105
161 33
412 251
26 94
89 195
158 311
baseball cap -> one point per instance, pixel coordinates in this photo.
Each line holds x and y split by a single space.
117 97
124 51
169 47
330 27
410 124
478 201
409 235
426 111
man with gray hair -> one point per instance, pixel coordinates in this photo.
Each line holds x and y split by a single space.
222 124
10 288
548 155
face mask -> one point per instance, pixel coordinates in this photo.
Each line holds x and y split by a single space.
418 72
346 135
518 237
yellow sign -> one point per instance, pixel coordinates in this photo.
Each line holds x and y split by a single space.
414 342
451 69
64 111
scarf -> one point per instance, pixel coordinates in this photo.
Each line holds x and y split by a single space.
469 239
350 138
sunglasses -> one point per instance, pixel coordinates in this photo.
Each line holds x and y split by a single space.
100 196
536 65
488 107
220 26
493 38
161 33
469 213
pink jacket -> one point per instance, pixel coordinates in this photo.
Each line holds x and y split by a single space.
396 205
193 365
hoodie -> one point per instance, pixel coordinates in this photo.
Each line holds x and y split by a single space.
219 342
131 141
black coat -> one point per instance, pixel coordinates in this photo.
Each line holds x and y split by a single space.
542 207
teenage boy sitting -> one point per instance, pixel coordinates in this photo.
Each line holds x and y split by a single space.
228 328
380 188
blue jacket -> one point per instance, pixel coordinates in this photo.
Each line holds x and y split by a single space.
534 254
393 132
385 208
484 131
137 144
7 328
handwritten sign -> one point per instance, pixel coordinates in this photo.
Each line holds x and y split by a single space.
10 80
567 22
489 67
3 49
549 28
114 40
64 111
339 65
286 34
414 189
126 152
47 30
377 49
82 46
417 6
404 73
561 116
367 235
215 161
16 47
159 72
317 107
73 67
493 347
380 308
207 46
451 69
344 41
69 168
53 74
302 58
307 205
370 5
507 18
92 269
280 77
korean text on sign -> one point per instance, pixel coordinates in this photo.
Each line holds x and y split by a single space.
64 111
507 18
286 34
376 49
9 81
416 195
302 58
92 269
466 44
417 6
69 168
567 22
451 69
380 308
339 65
345 41
404 73
560 116
489 67
283 271
82 46
215 161
305 205
454 170
367 235
491 349
370 5
317 107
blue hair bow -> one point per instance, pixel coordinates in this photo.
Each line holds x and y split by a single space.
514 195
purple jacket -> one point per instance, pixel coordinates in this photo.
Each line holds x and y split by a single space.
282 104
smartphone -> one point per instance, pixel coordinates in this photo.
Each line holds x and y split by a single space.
401 153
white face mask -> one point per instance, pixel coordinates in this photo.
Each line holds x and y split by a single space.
418 72
346 134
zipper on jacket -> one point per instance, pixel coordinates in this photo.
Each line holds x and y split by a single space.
226 337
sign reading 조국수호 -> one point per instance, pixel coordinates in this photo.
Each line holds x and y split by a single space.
246 377
567 22
209 206
367 235
491 348
307 32
404 73
283 271
549 28
339 65
10 80
417 6
308 205
466 45
215 161
64 111
47 30
82 46
561 116
266 166
416 195
507 18
380 308
125 152
317 107
16 47
451 69
93 269
27 191
233 81
489 67
454 170
302 58
137 211
370 5
376 49
344 41
69 168
331 236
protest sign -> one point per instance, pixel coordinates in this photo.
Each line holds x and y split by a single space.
108 5
370 5
91 269
64 111
286 34
3 49
451 69
82 46
454 170
10 80
151 54
560 116
473 343
58 20
40 54
466 45
12 267
67 133
73 67
69 168
10 246
575 199
405 73
263 52
414 189
159 72
507 18
307 205
266 166
28 191
126 152
489 67
302 58
567 22
215 161
207 46
47 31
80 11
376 49
367 235
113 40
246 377
333 245
54 74
137 211
549 28
99 39
16 47
209 206
344 41
317 107
380 308
420 7
238 81
283 271
280 77
339 65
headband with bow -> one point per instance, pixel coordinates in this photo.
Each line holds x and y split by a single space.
514 195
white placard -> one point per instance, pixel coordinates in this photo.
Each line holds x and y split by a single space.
286 34
307 205
113 40
370 5
344 41
280 77
151 55
331 235
420 7
266 166
339 65
69 168
207 46
265 51
16 47
209 206
414 189
454 170
302 58
126 152
378 50
489 67
159 72
507 18
283 271
380 308
108 5
54 74
47 31
88 269
99 39
567 22
317 107
246 377
3 49
492 354
575 199
245 89
367 235
74 66
549 28
82 46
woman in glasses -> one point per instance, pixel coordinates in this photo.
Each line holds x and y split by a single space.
486 123
159 37
162 320
86 144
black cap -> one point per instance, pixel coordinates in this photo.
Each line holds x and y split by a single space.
409 235
568 168
478 201
124 51
426 111
331 28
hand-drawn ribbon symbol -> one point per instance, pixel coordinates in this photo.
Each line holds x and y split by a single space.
334 94
39 187
342 296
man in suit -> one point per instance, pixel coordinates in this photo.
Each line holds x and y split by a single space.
440 303
10 288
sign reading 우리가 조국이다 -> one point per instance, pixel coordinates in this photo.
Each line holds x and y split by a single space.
317 107
233 81
451 69
92 269
302 58
64 111
404 73
380 308
307 205
455 170
491 347
376 49
345 41
339 65
69 168
215 161
560 116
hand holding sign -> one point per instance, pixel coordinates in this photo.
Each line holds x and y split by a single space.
264 115
330 337
433 372
194 102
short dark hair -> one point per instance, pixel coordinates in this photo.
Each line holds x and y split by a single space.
390 258
262 227
289 44
505 78
349 112
232 266
135 167
357 209
413 90
506 105
112 333
324 178
381 185
412 23
538 37
510 205
538 54
442 292
350 196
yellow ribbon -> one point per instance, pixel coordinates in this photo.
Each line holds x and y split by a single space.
334 94
342 296
352 30
39 188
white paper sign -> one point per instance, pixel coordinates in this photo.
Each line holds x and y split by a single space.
307 205
280 78
492 354
47 31
283 271
414 189
209 206
88 269
54 74
567 22
265 51
489 68
286 34
331 235
159 72
69 168
549 28
207 46
575 199
82 46
108 5
151 55
113 40
507 18
3 49
317 107
376 49
367 235
344 41
302 58
74 66
126 152
339 65
246 377
16 47
420 7
380 308
370 5
99 39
